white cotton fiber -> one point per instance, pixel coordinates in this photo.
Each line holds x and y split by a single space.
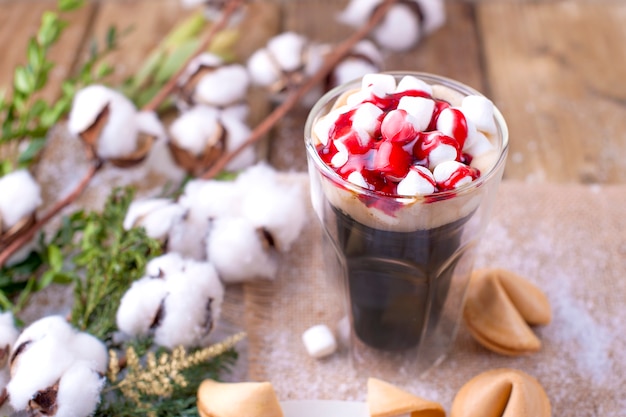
148 122
399 30
46 327
279 208
139 306
206 199
287 48
119 137
262 69
8 332
357 12
91 350
193 129
187 237
156 216
236 248
79 391
223 86
20 195
192 306
36 368
237 133
164 265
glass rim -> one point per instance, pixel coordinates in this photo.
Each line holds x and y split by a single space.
330 96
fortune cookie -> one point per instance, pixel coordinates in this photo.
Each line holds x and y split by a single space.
501 393
386 400
249 399
500 308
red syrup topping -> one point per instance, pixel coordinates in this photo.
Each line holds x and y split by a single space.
387 157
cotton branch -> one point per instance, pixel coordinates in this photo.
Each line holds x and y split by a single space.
230 8
342 50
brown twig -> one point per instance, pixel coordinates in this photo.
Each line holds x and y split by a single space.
230 8
56 209
292 99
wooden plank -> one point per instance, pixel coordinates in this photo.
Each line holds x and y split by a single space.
557 70
20 20
145 22
452 51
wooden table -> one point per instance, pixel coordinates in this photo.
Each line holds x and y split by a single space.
555 68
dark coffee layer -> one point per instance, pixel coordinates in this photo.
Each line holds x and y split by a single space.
397 281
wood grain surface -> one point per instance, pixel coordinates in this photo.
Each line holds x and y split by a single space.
555 69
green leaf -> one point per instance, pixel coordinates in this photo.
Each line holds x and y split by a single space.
111 37
50 29
30 153
45 280
104 70
24 80
55 258
5 167
69 5
175 60
35 55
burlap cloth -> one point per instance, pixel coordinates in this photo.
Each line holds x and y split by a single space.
568 239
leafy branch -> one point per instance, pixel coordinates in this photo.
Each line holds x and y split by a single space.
25 116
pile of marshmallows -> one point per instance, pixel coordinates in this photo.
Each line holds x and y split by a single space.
400 139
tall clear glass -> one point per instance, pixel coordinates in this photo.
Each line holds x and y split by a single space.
403 274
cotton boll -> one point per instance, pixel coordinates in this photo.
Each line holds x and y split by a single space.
38 368
91 351
237 133
187 237
364 59
164 265
149 123
20 195
238 251
399 30
47 327
5 409
357 12
193 129
262 69
287 49
79 391
8 333
206 199
119 136
155 215
434 14
192 307
277 208
260 173
139 306
223 86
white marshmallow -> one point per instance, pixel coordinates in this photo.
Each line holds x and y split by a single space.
420 108
378 85
366 118
408 82
445 170
442 153
341 157
319 341
477 144
418 181
356 178
447 121
480 111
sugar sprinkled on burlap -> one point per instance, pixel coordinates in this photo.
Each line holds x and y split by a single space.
567 239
